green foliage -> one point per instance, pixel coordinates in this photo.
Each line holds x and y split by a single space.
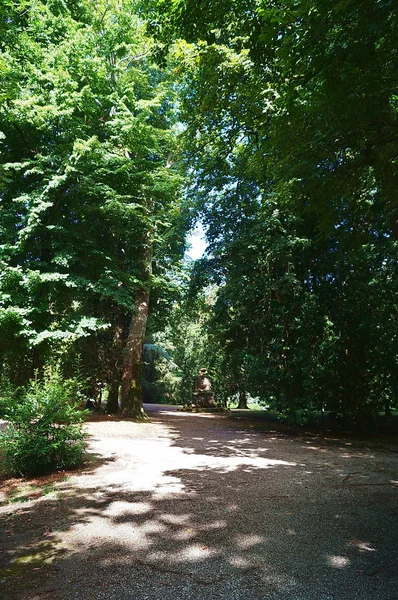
159 379
289 116
87 178
8 395
291 152
185 339
45 426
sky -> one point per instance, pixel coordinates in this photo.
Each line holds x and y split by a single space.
197 241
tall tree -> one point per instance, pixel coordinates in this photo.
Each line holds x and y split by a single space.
292 147
88 185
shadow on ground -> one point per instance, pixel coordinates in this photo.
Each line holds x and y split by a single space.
205 507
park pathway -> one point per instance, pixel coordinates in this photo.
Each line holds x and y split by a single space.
207 507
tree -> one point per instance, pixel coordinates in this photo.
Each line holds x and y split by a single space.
88 187
291 147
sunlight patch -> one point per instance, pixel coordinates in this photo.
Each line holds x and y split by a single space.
362 546
118 509
175 519
240 562
248 541
192 553
338 562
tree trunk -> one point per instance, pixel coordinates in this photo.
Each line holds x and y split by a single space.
131 394
115 369
112 405
242 400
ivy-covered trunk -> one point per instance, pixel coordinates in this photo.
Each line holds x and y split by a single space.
131 394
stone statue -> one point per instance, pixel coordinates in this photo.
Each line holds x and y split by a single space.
203 395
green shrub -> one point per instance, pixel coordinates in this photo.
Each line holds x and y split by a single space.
45 427
8 394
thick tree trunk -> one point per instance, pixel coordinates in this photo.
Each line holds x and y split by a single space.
112 405
242 400
131 394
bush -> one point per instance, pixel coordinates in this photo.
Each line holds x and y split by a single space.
45 430
8 394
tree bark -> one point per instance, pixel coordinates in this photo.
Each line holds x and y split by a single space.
242 400
131 394
114 380
112 405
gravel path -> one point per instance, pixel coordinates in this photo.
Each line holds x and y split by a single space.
195 506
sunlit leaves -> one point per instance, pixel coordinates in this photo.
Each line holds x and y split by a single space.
86 170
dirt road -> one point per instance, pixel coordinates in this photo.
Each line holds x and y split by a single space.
208 507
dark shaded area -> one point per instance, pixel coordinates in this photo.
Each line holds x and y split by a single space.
385 430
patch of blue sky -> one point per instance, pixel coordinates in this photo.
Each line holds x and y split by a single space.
196 243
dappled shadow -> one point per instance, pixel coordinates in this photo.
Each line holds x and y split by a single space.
191 507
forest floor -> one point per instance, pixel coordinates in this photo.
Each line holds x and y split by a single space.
198 506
